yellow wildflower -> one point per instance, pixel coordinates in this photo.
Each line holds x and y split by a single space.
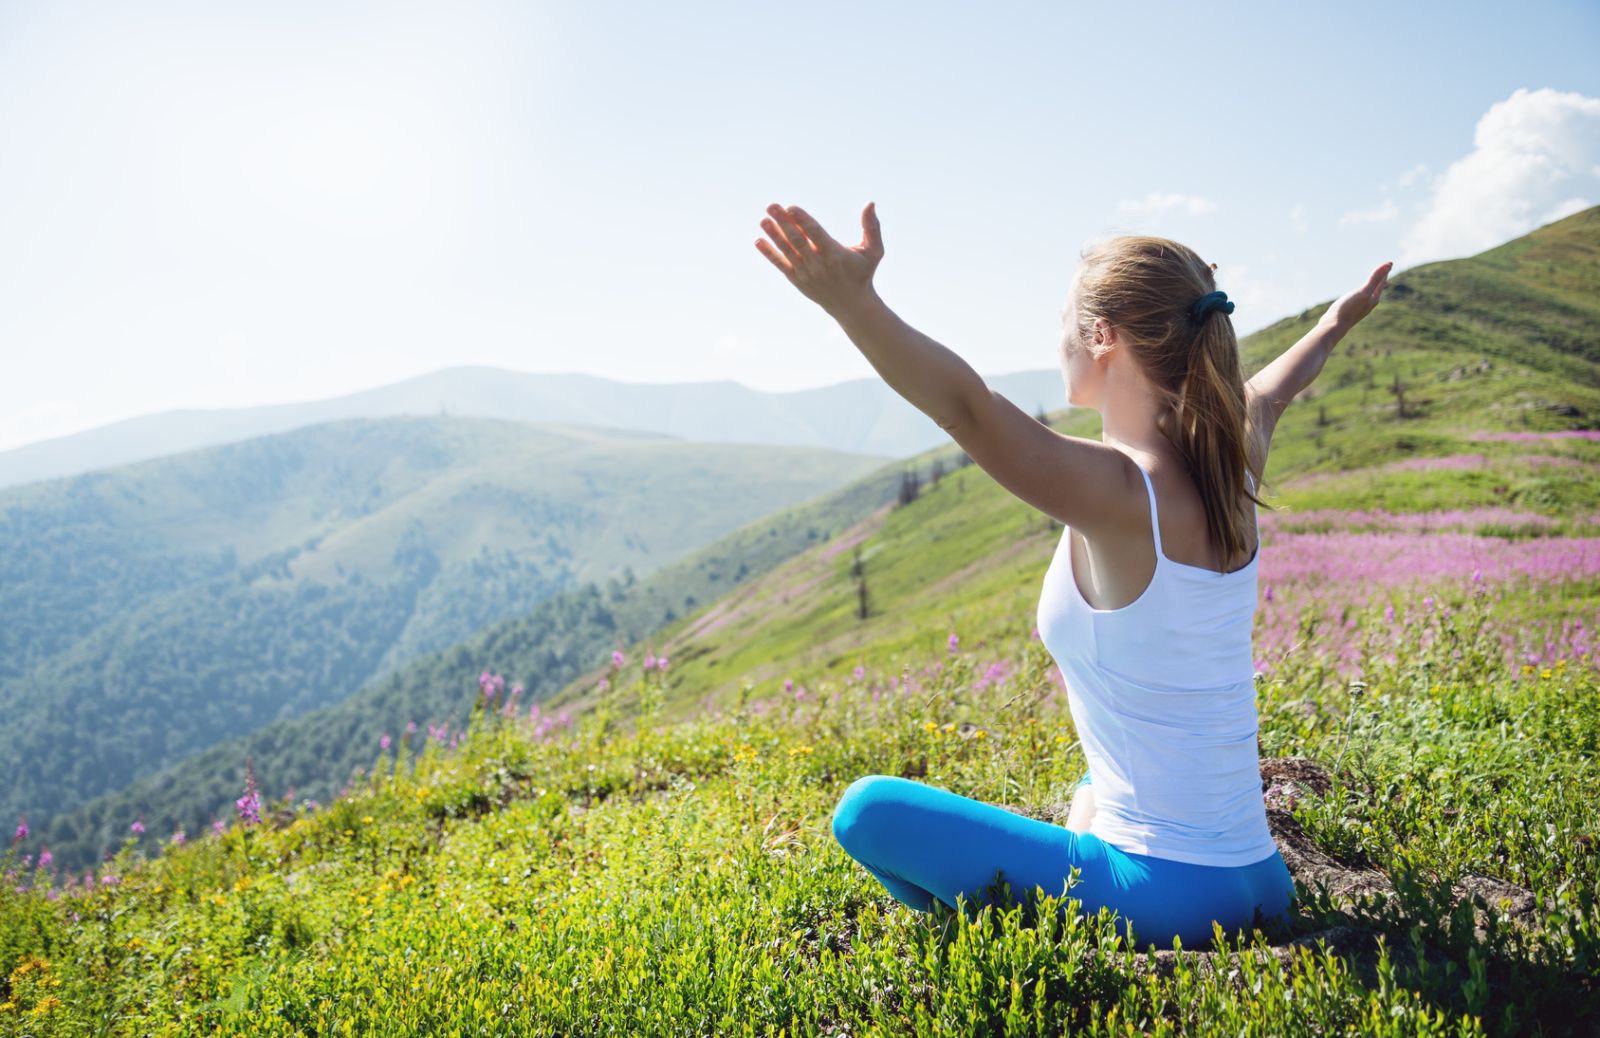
366 819
46 1004
27 966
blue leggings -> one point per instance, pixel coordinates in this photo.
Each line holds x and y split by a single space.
925 843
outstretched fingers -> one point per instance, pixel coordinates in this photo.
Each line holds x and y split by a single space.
789 249
811 228
798 236
1379 279
765 248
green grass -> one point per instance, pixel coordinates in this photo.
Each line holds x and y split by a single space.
631 876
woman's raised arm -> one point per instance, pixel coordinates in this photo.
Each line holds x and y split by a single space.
837 278
1083 483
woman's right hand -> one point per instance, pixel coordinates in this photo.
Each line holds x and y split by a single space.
1348 310
829 274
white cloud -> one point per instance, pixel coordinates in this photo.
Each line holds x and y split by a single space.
1158 201
1297 218
1382 214
1536 158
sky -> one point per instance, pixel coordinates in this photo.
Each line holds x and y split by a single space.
220 205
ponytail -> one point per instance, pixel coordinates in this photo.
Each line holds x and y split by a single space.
1148 288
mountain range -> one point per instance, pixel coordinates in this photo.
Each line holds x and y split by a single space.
862 416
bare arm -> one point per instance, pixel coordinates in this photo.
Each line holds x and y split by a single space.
932 377
1271 389
1063 476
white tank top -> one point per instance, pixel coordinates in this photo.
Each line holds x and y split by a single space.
1162 692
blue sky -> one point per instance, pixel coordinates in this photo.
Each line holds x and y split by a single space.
208 205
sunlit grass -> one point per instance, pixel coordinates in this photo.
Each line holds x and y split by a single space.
624 875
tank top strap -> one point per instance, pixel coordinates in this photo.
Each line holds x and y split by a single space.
1155 522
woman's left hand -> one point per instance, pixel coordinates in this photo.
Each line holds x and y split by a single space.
831 275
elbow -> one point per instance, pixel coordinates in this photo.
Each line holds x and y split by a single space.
958 415
970 404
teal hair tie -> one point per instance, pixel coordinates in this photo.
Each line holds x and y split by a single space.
1209 302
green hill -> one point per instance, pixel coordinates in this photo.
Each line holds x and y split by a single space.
561 637
152 611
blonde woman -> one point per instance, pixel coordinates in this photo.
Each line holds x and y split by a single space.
1147 607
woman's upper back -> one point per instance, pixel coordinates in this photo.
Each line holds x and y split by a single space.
1113 570
1186 625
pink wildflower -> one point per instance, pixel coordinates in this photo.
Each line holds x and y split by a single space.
249 805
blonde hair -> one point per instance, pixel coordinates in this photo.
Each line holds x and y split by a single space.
1146 288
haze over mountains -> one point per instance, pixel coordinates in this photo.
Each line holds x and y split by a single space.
863 416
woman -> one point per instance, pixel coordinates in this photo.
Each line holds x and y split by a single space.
1147 607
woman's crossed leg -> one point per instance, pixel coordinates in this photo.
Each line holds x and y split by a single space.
927 844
